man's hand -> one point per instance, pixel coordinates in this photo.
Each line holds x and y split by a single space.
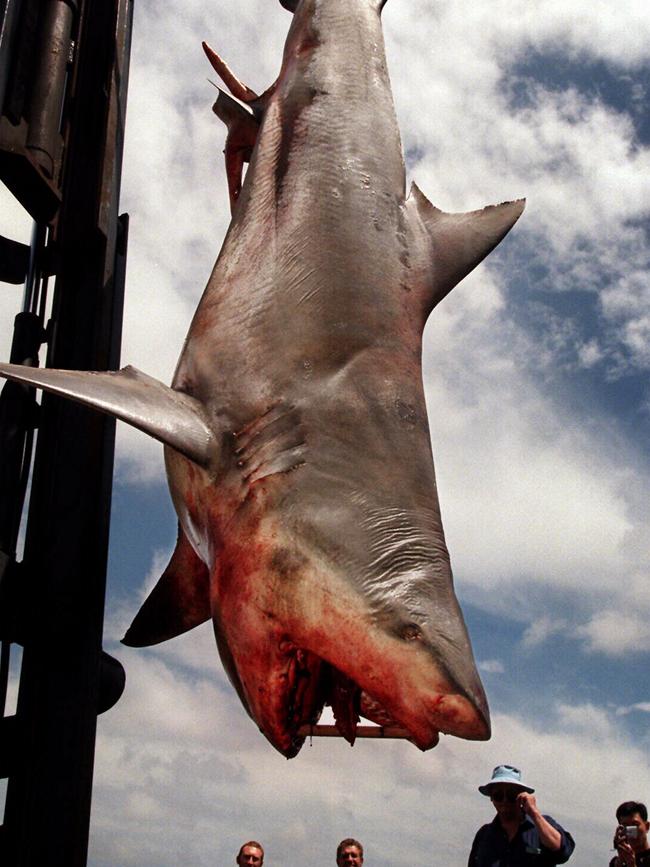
528 804
622 845
549 836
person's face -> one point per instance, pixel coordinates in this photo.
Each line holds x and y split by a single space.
250 856
350 856
640 842
504 798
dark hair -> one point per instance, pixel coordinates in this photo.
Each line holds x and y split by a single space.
349 841
629 808
251 843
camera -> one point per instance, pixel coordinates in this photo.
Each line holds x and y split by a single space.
631 832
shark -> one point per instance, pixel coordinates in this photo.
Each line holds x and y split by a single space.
297 444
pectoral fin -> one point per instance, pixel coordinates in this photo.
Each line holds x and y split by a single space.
455 243
176 419
179 601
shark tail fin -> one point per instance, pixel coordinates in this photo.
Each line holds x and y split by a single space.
172 417
179 601
457 243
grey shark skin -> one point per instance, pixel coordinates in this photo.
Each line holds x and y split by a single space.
297 444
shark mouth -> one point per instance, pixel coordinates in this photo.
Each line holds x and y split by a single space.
287 695
312 684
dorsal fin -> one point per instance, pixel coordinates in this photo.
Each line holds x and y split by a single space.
457 243
174 418
179 601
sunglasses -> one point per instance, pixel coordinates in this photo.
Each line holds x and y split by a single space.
499 795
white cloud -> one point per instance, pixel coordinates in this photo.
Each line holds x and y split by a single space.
531 493
586 719
139 458
576 159
16 224
541 630
617 632
616 32
491 666
641 706
590 353
628 302
613 31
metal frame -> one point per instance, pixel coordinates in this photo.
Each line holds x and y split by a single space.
64 71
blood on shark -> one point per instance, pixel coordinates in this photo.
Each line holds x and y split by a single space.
296 436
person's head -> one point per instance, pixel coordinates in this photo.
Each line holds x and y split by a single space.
503 790
251 854
349 853
634 814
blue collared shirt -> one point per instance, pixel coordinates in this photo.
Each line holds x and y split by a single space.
491 847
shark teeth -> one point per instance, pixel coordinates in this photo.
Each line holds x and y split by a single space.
314 684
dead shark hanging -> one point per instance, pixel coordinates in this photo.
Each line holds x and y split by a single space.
297 445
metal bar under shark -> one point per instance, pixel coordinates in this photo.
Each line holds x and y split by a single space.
296 436
361 731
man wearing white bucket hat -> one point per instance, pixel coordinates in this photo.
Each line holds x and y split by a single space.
519 835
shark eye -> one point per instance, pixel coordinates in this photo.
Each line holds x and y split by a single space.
411 632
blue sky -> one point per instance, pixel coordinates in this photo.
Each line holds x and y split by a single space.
536 374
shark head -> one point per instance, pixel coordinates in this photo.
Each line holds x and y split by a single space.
302 621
